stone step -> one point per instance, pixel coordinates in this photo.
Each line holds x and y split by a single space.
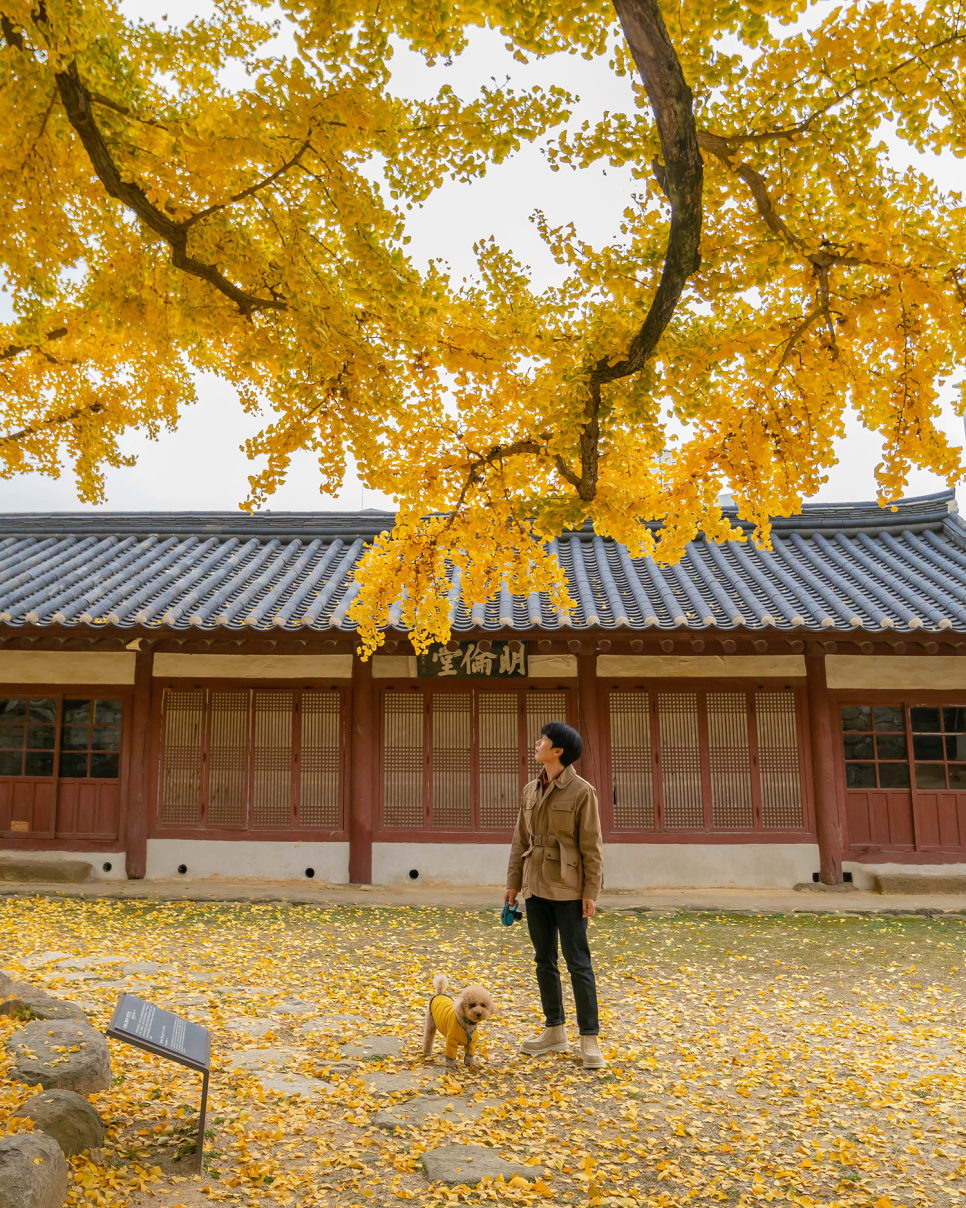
73 871
910 883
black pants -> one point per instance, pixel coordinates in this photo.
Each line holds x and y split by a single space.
545 920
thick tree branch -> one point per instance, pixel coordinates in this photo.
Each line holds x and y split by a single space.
24 433
77 102
682 179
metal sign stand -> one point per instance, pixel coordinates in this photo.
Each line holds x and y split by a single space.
142 1024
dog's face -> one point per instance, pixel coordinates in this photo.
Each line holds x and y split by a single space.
475 1004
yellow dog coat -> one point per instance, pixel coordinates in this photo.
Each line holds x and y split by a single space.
449 1025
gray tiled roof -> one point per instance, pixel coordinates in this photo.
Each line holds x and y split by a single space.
836 566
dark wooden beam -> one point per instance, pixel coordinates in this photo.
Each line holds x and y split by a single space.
139 781
827 820
362 760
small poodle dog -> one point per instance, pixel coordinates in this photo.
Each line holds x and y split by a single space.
457 1019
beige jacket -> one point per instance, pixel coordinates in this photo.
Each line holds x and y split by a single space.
557 850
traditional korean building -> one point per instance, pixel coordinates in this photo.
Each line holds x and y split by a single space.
180 693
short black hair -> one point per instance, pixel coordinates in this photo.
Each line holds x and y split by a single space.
566 737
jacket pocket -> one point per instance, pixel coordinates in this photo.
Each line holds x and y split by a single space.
570 864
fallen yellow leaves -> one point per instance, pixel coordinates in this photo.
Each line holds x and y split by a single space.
819 1075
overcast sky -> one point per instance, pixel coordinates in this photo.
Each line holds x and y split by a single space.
201 466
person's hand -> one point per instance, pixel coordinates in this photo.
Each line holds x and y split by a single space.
590 908
510 898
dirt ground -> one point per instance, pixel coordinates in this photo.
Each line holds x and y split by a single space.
811 1059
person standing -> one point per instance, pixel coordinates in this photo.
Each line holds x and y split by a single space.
557 864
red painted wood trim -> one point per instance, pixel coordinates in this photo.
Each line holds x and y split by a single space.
363 758
136 836
828 822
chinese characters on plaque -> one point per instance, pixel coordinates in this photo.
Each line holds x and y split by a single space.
499 662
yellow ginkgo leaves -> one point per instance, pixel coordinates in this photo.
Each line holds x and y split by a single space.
184 200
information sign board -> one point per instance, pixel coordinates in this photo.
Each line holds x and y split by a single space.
141 1023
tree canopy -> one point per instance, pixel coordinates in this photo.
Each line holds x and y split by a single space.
184 199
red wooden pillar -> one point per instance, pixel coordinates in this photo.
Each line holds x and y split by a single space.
827 820
139 782
363 758
589 720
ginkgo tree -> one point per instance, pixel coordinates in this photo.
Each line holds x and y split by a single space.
175 200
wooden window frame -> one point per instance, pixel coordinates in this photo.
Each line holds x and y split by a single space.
427 688
918 852
55 838
247 831
758 833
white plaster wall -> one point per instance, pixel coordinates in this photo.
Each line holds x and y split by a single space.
96 859
662 666
549 666
452 863
707 865
626 865
393 666
897 672
255 666
273 861
863 875
65 667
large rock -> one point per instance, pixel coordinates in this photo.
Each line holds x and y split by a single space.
44 1053
33 1172
470 1163
67 1117
372 1048
33 1003
45 870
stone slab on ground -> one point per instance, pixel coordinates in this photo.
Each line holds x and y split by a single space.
253 1027
33 1172
293 1006
371 1048
43 958
293 1084
331 1023
66 1116
262 1060
40 871
910 884
391 1084
37 1060
140 967
412 1113
470 1163
340 1067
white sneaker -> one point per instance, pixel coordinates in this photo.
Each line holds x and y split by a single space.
590 1053
550 1040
